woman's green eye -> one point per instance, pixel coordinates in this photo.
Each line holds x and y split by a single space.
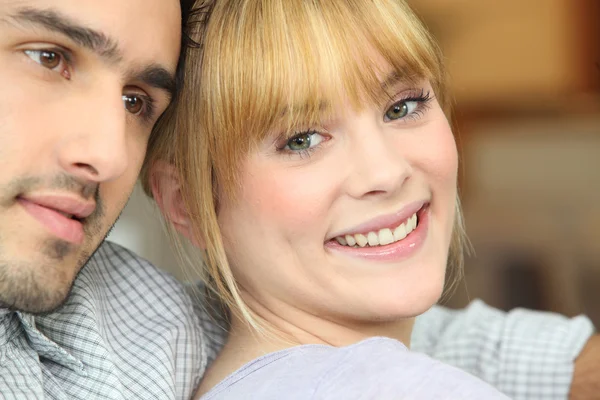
301 142
404 108
397 111
304 141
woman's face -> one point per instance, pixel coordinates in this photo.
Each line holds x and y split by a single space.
324 223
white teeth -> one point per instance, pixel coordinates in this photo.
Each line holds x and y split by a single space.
383 237
400 232
361 240
350 240
373 239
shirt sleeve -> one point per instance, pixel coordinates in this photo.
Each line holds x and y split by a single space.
525 354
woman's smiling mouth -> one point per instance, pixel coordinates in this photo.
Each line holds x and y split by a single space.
392 243
382 237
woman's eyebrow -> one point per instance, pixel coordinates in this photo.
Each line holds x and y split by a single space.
393 79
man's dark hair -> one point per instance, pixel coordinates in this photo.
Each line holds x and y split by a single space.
191 10
187 14
187 11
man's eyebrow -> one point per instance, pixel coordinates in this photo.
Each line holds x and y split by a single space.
158 77
95 41
54 21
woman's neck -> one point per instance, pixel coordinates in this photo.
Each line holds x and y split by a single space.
245 344
290 326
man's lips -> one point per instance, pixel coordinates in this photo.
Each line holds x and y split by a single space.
68 205
59 215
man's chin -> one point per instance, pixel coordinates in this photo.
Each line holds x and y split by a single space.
39 302
37 288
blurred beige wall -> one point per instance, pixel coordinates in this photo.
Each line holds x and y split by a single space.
510 50
140 229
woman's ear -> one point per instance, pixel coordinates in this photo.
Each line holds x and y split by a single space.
166 190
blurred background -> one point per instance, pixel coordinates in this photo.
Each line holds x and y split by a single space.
526 80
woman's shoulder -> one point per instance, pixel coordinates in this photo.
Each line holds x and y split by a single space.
384 368
379 368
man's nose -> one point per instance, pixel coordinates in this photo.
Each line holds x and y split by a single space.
95 146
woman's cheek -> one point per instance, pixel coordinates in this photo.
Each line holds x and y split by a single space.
291 198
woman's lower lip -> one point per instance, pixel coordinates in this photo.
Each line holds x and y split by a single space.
64 228
396 251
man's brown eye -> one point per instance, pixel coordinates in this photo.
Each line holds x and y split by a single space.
133 104
46 58
49 59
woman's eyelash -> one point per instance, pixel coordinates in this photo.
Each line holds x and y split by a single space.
285 139
422 98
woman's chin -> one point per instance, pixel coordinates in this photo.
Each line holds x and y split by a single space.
403 301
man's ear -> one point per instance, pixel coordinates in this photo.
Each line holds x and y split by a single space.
166 190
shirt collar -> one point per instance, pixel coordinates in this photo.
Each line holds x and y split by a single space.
9 326
47 348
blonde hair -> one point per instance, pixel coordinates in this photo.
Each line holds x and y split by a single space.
265 64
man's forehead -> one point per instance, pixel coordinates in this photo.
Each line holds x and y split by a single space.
129 32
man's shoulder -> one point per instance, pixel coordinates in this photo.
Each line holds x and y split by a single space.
126 318
118 276
123 267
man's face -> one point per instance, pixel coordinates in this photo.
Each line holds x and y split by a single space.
82 84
